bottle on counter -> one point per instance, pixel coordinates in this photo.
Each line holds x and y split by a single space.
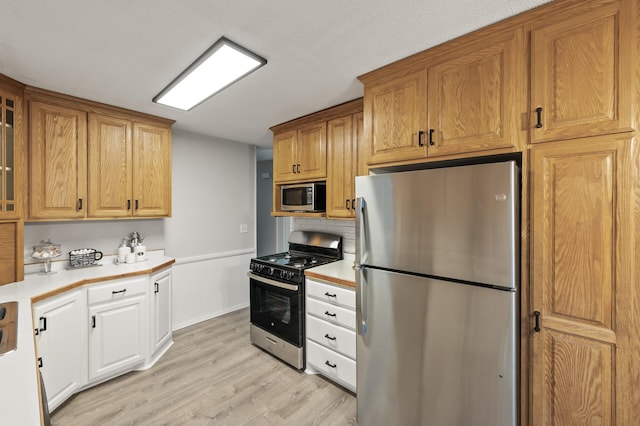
122 252
140 252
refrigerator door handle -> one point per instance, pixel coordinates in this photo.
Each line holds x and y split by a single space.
361 291
361 254
360 259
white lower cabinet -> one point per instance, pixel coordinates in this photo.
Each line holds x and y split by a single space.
330 331
118 330
61 338
99 331
160 309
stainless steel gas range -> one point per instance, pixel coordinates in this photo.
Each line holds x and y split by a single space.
277 293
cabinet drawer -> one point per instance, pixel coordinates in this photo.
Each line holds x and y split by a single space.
332 336
332 313
116 290
331 293
331 364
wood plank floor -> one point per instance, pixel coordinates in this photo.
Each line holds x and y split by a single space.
212 375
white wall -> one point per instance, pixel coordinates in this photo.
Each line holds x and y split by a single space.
213 194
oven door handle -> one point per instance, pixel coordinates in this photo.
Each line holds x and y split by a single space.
269 281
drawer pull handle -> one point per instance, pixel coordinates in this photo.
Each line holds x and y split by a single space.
93 321
329 294
329 314
536 315
329 337
330 365
44 323
119 291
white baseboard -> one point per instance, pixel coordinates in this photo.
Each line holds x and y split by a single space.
210 316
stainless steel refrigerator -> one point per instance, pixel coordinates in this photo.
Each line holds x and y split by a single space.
437 261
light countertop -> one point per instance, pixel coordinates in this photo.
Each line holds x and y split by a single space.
19 395
340 272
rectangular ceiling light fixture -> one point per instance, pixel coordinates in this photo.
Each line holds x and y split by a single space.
220 66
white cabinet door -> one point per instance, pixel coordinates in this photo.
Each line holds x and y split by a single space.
118 332
61 342
160 303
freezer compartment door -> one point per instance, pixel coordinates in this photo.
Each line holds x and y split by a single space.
456 222
435 352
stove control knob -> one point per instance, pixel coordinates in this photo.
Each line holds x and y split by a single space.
270 271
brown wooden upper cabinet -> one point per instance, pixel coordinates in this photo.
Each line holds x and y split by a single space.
129 168
300 154
11 149
344 135
151 170
90 163
57 161
475 96
396 111
110 167
467 98
581 71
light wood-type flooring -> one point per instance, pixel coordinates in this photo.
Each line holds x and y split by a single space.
212 375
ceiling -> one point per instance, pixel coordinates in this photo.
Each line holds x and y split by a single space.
123 52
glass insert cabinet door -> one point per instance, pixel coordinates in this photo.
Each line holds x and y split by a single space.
8 107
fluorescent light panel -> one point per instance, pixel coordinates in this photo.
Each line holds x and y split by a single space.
221 65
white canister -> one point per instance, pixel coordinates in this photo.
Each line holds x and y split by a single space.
122 253
140 252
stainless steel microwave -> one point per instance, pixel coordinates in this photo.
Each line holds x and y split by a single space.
304 197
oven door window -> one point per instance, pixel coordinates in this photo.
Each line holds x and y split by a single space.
277 310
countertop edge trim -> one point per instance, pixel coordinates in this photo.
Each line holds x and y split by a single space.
330 279
80 283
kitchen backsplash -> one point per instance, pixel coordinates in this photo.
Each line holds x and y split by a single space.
344 228
104 236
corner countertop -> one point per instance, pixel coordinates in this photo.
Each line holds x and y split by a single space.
340 272
19 395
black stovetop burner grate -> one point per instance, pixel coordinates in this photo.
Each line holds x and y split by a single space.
295 260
